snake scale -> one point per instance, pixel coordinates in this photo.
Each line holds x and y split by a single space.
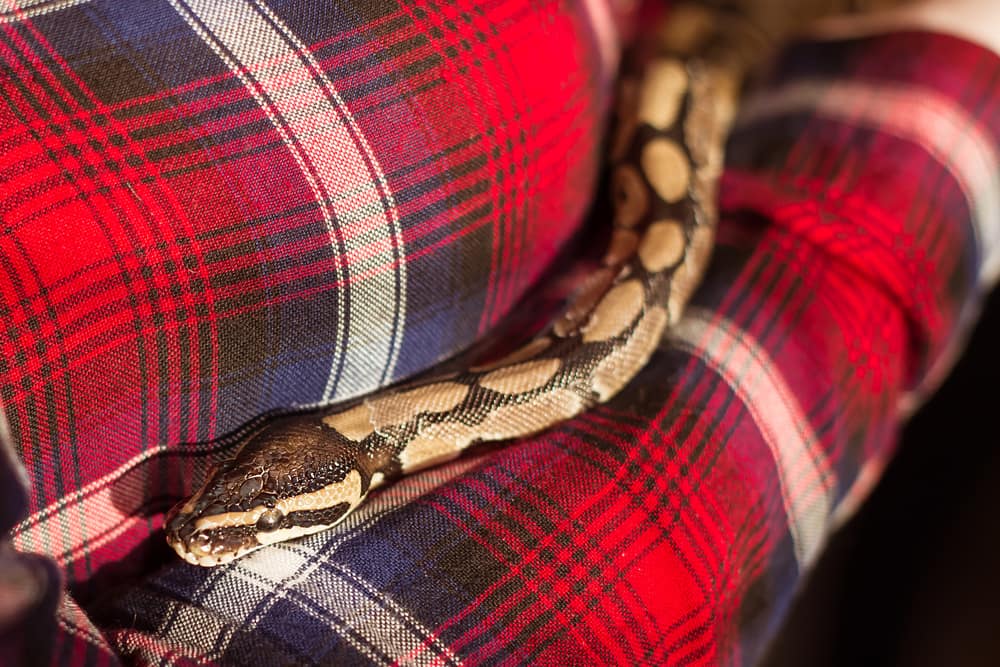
302 474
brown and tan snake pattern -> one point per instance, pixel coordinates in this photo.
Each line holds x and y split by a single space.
303 474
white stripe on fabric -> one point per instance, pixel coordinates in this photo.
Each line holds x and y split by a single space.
915 114
304 572
18 10
94 501
376 625
340 168
803 471
372 622
418 645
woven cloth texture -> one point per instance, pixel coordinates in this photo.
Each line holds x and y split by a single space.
212 211
176 262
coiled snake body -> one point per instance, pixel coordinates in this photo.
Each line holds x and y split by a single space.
303 474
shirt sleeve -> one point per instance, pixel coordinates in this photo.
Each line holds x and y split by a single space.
672 525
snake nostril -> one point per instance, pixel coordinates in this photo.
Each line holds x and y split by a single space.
175 523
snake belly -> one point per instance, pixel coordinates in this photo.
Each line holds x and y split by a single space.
302 474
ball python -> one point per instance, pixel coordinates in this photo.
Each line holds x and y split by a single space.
303 474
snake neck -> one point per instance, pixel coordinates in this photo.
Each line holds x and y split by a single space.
304 474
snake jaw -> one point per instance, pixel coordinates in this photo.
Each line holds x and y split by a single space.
201 541
204 548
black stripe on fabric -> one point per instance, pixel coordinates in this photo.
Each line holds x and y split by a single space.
25 55
164 101
601 571
390 81
325 47
52 433
215 161
204 144
195 121
33 33
453 174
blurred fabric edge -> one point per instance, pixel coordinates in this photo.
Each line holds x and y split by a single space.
30 584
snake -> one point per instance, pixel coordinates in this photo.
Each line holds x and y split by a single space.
304 473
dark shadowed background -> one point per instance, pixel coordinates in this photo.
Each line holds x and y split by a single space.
914 577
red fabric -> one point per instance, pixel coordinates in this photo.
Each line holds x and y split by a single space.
212 216
670 526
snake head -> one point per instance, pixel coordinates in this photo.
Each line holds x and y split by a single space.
292 478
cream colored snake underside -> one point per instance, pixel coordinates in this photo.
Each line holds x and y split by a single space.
304 473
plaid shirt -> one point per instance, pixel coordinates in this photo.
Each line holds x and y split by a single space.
212 211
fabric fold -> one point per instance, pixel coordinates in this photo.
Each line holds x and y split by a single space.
673 524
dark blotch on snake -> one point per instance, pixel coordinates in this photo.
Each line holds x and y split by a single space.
214 508
251 487
328 516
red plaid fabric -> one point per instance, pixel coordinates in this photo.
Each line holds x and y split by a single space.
670 526
216 212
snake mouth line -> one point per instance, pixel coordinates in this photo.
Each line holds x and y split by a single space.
218 545
209 547
261 540
210 560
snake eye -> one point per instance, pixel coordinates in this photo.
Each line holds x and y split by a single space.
270 520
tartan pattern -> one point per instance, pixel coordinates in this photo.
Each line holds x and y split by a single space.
215 211
671 525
